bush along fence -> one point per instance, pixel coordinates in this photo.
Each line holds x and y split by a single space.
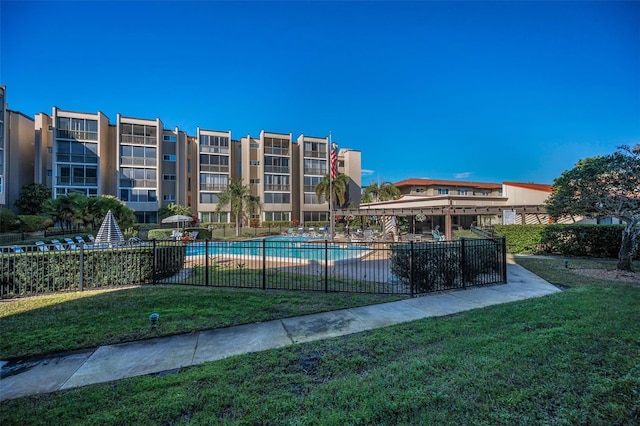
282 263
77 268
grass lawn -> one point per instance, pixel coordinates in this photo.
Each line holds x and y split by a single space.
69 321
566 359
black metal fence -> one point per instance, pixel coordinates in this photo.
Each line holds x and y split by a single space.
280 263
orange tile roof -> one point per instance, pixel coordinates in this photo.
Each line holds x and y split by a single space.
535 186
432 182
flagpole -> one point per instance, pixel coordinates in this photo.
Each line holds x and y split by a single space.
332 218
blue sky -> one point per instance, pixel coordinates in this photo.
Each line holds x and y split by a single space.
480 91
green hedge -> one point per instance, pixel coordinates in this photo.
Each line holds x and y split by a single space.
566 240
44 272
439 266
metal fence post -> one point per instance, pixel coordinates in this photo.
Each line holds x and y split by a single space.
264 263
155 255
411 284
504 259
463 262
206 262
80 284
326 266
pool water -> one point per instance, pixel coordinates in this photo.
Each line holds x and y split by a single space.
291 247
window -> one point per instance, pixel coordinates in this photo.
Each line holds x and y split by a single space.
312 199
212 143
169 177
254 163
277 216
169 197
138 195
315 167
315 216
169 138
169 157
254 181
221 217
463 191
418 190
443 191
208 198
277 198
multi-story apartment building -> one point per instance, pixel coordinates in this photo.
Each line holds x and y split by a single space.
148 166
215 160
267 165
80 158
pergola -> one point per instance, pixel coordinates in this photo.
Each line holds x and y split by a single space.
538 212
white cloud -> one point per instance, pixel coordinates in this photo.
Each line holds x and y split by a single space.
367 172
463 175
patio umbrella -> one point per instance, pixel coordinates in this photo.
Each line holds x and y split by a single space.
177 218
109 233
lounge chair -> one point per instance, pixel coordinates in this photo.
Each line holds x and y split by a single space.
17 249
91 239
194 235
41 246
70 243
57 245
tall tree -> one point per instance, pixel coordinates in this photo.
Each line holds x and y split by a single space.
32 198
339 187
384 191
603 186
239 200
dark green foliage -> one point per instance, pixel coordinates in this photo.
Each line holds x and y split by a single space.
565 240
440 266
32 198
8 221
203 233
44 272
160 234
32 223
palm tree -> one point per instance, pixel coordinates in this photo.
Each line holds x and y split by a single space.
384 191
339 188
240 201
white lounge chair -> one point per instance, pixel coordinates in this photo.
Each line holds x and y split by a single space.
17 249
70 243
41 246
57 245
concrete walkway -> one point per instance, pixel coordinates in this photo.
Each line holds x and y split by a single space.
167 354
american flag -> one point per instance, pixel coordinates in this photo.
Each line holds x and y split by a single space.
333 160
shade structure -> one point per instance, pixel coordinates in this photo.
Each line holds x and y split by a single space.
109 233
177 218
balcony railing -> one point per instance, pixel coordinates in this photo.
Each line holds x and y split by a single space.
138 183
315 154
140 140
214 168
214 149
276 150
282 188
77 135
310 188
276 169
77 158
315 171
213 187
137 161
77 181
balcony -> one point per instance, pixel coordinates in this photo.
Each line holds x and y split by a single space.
213 149
276 150
76 181
139 140
77 158
315 154
281 188
315 171
137 161
77 135
138 183
214 168
213 187
276 169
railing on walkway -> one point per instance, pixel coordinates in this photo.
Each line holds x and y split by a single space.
283 263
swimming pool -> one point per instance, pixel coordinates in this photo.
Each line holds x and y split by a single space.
288 247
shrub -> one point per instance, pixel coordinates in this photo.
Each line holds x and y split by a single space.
7 220
160 234
33 223
42 272
439 266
